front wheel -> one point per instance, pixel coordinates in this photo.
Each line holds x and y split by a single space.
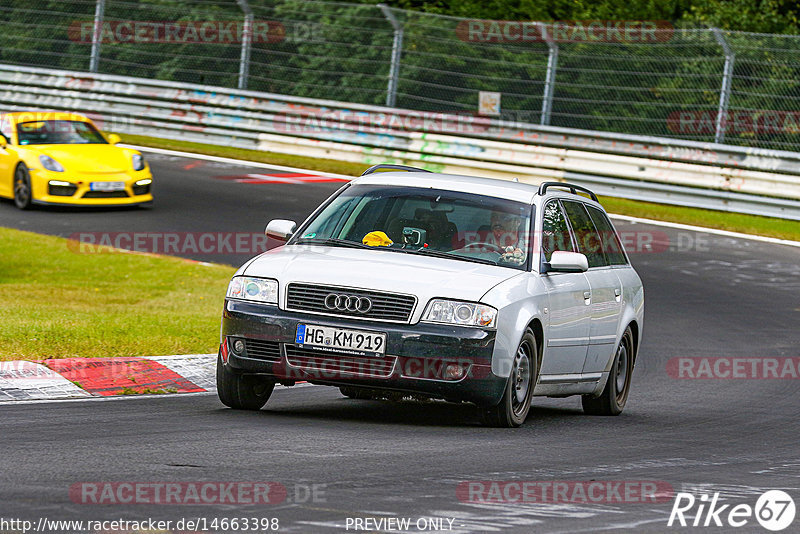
516 402
240 391
23 194
613 398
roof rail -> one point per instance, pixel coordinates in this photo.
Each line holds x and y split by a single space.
387 166
572 188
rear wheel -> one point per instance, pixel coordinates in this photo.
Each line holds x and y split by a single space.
516 402
23 196
613 398
240 391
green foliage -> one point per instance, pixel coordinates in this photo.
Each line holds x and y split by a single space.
341 51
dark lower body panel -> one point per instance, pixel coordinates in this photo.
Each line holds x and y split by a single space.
443 361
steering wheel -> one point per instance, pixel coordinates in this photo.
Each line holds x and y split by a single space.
497 248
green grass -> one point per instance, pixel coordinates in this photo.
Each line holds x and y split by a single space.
58 303
748 224
734 222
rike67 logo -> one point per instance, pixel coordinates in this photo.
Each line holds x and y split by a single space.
774 510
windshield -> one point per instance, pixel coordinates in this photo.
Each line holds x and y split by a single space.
461 226
56 132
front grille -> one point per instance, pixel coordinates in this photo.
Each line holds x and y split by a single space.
61 190
105 194
262 350
141 189
333 365
385 306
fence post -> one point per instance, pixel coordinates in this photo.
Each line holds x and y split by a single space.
550 75
97 35
725 90
397 50
247 39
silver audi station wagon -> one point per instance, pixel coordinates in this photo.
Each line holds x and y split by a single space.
406 282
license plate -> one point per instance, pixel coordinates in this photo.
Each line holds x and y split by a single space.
107 186
355 342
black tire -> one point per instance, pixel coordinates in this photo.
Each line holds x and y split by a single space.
23 195
240 391
613 398
356 393
515 405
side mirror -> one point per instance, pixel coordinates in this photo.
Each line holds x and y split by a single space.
114 139
280 229
3 141
566 262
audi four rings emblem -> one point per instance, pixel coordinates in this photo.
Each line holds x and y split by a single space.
349 303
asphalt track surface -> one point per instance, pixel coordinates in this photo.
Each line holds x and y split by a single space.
705 296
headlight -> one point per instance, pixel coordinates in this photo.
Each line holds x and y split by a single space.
50 164
460 313
255 289
138 162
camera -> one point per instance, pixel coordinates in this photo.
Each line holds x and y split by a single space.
414 236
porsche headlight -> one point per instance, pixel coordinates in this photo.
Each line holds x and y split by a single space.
255 289
460 313
138 162
50 164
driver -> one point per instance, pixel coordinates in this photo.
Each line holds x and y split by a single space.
505 234
505 229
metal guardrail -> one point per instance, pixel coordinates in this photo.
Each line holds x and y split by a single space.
640 77
714 176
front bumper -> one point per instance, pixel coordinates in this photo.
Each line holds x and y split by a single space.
82 194
416 358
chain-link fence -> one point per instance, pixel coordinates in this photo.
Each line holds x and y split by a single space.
637 77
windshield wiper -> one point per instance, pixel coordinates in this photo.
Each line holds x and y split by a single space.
331 241
447 255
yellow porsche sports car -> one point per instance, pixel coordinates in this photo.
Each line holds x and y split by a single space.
62 158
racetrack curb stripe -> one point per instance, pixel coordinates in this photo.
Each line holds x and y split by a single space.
200 369
118 376
703 229
25 380
243 162
103 378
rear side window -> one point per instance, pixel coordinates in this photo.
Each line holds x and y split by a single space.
585 233
611 244
555 232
